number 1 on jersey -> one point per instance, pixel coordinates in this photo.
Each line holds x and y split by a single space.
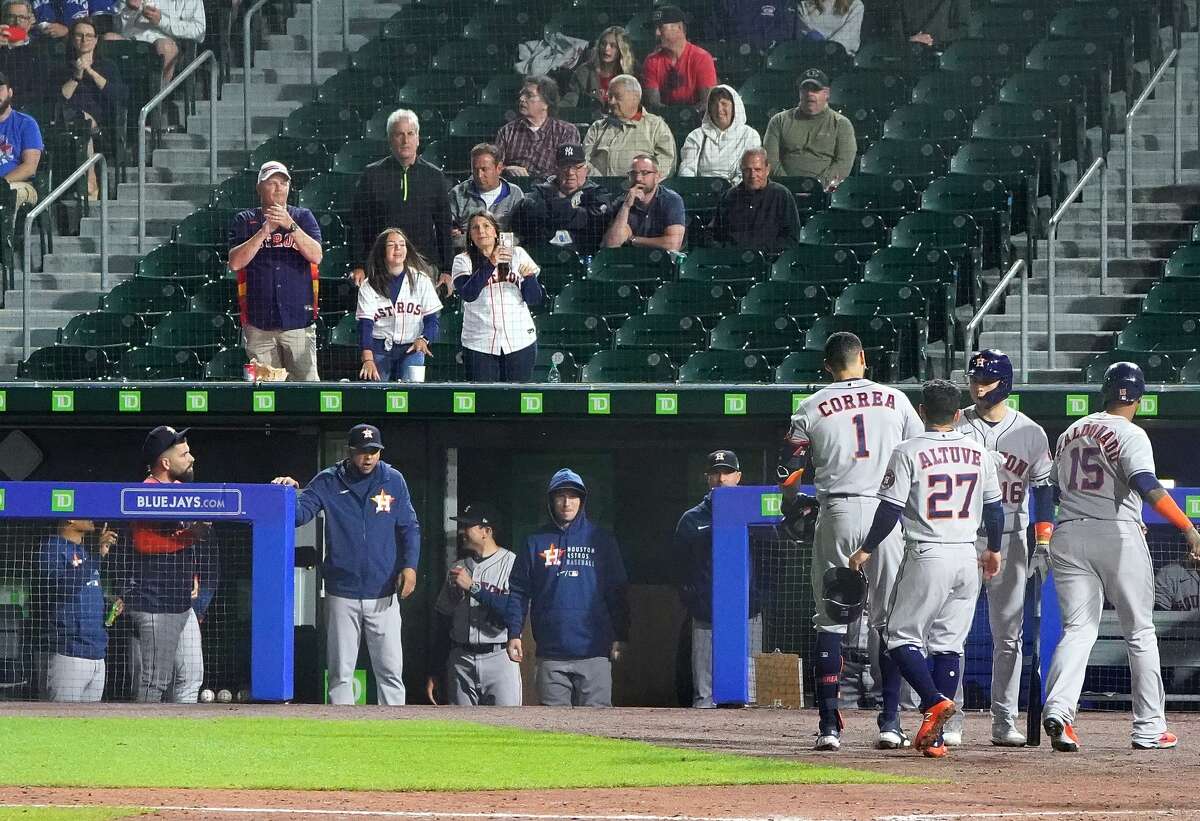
860 432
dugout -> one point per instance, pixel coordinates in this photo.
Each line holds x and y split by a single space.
640 448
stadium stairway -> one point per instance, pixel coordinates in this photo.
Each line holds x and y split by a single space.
177 181
1163 214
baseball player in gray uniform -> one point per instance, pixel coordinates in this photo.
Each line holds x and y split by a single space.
1104 469
944 486
847 431
1177 586
1022 454
471 608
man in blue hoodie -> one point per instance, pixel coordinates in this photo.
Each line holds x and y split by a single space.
571 579
373 548
75 635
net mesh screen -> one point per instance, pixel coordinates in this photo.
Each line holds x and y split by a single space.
86 614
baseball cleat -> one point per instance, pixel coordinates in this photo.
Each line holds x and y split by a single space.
828 742
952 738
1007 737
1164 742
931 725
1062 735
893 738
935 750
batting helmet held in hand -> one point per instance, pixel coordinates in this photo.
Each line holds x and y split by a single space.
992 366
844 592
1123 382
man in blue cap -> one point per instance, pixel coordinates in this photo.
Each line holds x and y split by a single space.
373 548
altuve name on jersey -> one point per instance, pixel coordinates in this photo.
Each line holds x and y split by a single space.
947 454
856 401
1105 437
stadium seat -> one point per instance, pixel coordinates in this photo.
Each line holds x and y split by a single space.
336 296
1015 164
330 192
425 24
582 22
833 267
920 161
148 298
862 232
801 302
208 228
628 366
808 192
443 91
356 155
868 126
65 363
303 158
879 338
446 363
678 336
1037 127
739 268
554 359
1173 297
987 200
894 54
151 364
770 90
944 125
325 122
203 332
1105 23
887 197
334 234
725 368
227 365
188 266
365 91
737 62
341 356
979 55
931 271
393 58
1156 367
219 296
1189 374
878 90
1087 59
581 334
956 233
240 192
1062 92
772 336
504 25
802 367
794 56
1161 333
970 93
501 90
701 195
558 266
708 300
99 329
614 301
631 265
1184 263
479 123
1021 26
908 309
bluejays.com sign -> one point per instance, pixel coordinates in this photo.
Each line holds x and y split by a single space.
180 502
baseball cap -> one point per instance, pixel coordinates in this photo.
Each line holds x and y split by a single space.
814 77
365 437
667 14
159 440
475 514
267 169
569 154
723 460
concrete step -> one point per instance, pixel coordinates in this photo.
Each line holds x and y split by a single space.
1120 269
300 59
117 244
231 109
12 340
1038 358
181 158
1090 247
1081 342
10 317
126 227
88 282
1144 177
70 264
1112 304
1084 228
298 90
173 210
327 40
77 300
292 75
232 124
179 192
1142 212
1064 322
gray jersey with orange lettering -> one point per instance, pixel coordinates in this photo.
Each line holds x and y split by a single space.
1022 454
1093 462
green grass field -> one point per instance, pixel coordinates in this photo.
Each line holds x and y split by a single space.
69 813
300 754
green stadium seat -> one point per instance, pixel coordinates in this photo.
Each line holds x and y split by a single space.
931 271
356 155
640 31
1173 297
919 161
769 89
1161 333
632 265
1195 237
151 364
446 364
1033 125
944 125
451 154
334 233
148 298
1156 367
908 309
450 324
878 90
444 91
330 192
364 91
336 296
1105 23
969 92
581 334
737 61
725 368
678 336
628 366
584 23
559 266
99 329
879 338
479 122
987 201
341 357
325 122
424 24
1021 26
868 126
612 300
794 56
894 54
957 234
239 192
208 228
802 367
700 194
772 336
708 300
808 192
188 266
393 58
1087 59
831 266
862 232
504 25
65 363
887 197
227 365
303 158
1189 374
501 90
738 268
219 297
1062 92
978 55
786 299
203 332
1015 164
1184 263
548 359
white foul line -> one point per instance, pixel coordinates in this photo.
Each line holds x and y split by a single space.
952 816
498 816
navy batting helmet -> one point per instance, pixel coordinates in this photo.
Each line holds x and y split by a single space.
1123 382
992 366
844 592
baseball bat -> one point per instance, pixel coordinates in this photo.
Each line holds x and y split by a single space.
1033 717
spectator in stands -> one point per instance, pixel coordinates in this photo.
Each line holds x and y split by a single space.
611 56
90 86
486 190
715 149
20 147
527 144
75 634
497 284
760 24
53 18
275 250
678 72
568 209
613 141
162 23
404 191
757 213
811 140
935 23
398 309
841 22
651 216
25 67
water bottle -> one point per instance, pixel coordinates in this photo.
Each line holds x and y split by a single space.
554 377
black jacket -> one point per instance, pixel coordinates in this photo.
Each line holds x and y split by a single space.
415 200
767 220
543 212
693 552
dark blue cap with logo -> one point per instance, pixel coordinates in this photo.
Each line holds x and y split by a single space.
365 437
475 514
569 154
160 440
723 460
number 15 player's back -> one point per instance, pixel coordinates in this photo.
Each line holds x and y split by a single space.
1094 461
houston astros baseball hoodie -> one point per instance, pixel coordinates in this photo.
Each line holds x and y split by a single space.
572 581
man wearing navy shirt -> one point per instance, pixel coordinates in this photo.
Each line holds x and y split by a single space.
651 216
275 250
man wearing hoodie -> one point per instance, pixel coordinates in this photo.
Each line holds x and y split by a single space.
811 140
715 149
373 546
568 209
613 141
570 577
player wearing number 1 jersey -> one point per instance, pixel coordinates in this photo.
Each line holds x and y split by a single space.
1104 469
847 431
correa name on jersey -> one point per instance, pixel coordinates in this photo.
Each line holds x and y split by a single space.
948 454
1104 436
857 401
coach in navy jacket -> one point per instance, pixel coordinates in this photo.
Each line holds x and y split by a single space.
373 546
571 578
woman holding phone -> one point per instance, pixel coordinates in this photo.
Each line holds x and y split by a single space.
497 282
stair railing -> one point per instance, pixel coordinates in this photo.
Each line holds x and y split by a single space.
1097 167
1173 57
969 333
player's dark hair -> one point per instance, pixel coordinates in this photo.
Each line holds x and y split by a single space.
377 272
841 350
941 400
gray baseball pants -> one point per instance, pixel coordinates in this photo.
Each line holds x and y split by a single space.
152 652
188 673
69 678
352 620
702 660
575 682
484 679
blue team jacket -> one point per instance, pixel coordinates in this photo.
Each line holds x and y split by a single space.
573 582
370 526
75 600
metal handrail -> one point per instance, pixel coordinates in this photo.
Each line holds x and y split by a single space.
214 73
1129 115
246 20
65 187
1097 167
1001 288
312 34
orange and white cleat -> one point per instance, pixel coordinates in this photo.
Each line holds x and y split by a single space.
937 749
1164 742
1062 735
934 720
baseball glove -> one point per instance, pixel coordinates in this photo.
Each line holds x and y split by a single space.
799 517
